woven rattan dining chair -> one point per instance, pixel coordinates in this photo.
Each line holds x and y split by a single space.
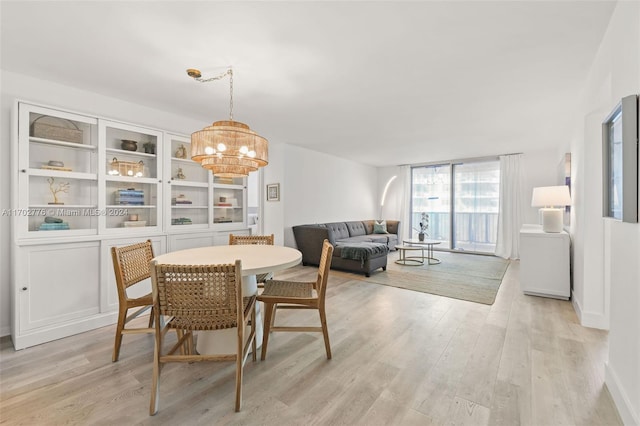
200 298
279 294
131 266
266 240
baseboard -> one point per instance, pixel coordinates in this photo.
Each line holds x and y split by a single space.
589 319
5 331
58 331
620 398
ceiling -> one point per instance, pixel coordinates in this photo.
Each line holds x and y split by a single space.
382 83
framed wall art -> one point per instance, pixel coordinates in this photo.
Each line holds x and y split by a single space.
273 192
620 161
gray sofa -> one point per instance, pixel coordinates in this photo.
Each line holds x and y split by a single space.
349 239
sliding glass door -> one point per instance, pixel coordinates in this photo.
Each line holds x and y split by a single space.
431 193
462 201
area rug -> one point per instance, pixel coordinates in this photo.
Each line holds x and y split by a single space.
459 276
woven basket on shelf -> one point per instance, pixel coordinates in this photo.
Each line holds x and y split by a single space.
67 132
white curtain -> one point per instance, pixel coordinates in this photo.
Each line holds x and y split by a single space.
511 206
405 208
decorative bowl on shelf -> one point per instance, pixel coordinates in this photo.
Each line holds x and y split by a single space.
128 145
54 163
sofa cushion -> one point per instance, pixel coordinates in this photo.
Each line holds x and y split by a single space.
356 228
380 227
339 230
363 251
358 239
392 226
379 238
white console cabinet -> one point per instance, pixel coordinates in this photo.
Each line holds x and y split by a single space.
79 188
545 262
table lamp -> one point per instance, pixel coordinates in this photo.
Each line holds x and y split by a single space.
552 199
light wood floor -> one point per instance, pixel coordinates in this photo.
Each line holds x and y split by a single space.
399 358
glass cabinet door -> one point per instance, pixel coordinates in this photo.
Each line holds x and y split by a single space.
58 176
189 186
229 201
132 195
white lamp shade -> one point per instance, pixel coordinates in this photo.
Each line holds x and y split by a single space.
549 196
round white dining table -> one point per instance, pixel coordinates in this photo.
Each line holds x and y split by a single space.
256 259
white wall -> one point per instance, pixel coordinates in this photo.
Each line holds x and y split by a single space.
323 188
607 252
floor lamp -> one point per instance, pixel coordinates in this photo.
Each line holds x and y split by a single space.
384 194
553 200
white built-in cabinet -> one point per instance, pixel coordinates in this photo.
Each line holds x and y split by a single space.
107 194
545 267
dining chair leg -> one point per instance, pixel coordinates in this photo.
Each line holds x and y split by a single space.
190 345
239 364
151 317
269 308
155 381
122 317
325 331
273 317
254 347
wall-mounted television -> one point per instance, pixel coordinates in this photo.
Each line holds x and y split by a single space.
620 161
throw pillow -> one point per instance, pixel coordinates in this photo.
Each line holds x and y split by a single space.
380 227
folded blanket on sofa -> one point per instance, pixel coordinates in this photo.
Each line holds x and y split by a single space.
362 251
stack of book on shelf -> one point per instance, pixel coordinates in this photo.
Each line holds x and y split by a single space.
130 197
180 200
222 220
53 226
181 221
226 202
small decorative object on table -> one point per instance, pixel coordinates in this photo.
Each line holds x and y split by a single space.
129 145
424 226
181 152
61 187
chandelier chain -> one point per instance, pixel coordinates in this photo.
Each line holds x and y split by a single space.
228 72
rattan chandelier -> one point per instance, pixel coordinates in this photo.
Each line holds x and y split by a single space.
228 148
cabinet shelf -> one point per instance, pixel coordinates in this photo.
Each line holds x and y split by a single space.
227 186
127 179
73 145
62 174
183 160
116 151
188 206
191 184
130 206
62 206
